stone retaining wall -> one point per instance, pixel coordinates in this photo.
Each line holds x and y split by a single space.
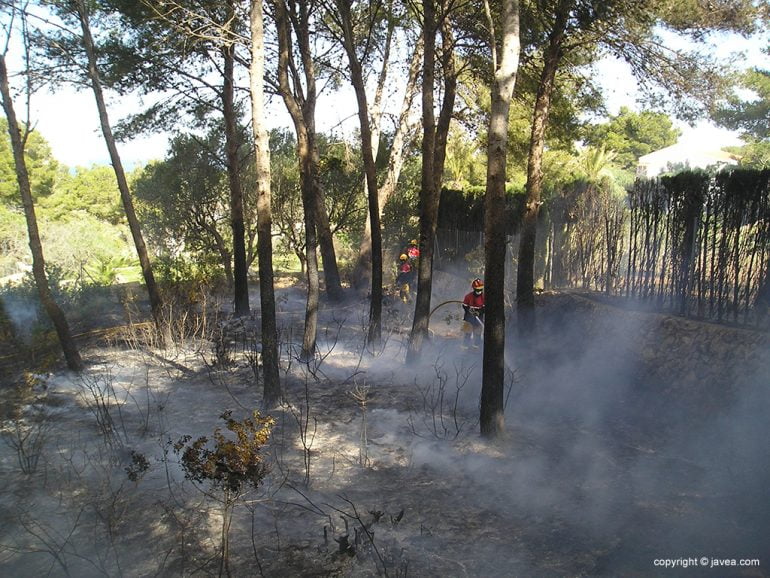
679 356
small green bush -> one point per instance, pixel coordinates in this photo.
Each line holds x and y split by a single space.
231 463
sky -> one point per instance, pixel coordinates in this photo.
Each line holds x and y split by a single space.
69 121
619 88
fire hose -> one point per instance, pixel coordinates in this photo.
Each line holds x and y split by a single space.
446 303
441 305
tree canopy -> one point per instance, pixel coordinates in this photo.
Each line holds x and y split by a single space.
631 135
751 116
173 55
43 168
747 110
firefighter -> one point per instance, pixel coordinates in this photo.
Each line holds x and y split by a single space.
413 252
473 319
403 276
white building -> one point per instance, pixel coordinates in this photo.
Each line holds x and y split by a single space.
683 156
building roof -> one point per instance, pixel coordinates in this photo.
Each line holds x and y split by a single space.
684 154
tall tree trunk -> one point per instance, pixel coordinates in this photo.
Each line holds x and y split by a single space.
301 108
357 79
232 146
300 21
71 354
308 174
449 68
429 197
272 384
362 271
525 274
433 155
492 415
156 303
375 119
332 280
225 256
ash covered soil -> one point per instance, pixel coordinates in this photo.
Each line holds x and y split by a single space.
631 438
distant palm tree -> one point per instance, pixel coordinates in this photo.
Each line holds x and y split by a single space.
106 270
596 161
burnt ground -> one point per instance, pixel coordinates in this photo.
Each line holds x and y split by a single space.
604 470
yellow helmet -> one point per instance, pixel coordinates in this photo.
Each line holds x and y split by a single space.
413 242
403 257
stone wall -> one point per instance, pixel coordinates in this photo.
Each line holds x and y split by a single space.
706 362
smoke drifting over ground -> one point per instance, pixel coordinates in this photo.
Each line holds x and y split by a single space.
669 468
607 466
21 312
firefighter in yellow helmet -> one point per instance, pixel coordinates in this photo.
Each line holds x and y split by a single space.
403 276
413 253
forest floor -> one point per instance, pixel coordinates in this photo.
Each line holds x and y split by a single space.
376 467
